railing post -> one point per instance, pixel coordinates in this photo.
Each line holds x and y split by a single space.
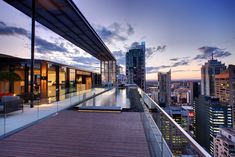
4 104
32 54
162 146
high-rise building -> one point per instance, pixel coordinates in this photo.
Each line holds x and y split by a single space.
183 115
164 80
194 90
225 87
211 115
224 143
208 72
135 65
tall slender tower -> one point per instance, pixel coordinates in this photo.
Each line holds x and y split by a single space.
135 65
208 72
164 80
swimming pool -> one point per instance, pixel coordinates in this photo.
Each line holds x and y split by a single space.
115 99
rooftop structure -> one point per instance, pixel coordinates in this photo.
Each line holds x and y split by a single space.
64 18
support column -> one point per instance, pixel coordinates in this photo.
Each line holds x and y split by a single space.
32 54
67 82
57 70
44 80
26 82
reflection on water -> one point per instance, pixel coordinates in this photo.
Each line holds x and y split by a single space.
113 98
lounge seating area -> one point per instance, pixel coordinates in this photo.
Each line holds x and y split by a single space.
10 104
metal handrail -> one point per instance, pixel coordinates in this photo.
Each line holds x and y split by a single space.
195 145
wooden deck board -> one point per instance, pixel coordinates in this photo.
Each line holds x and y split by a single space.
72 133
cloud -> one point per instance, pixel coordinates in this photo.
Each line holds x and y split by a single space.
134 44
187 70
158 68
114 32
120 56
161 48
9 30
86 60
180 63
2 24
174 59
207 51
149 51
56 51
152 50
150 70
130 30
44 46
108 35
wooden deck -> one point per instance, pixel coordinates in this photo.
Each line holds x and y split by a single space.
82 134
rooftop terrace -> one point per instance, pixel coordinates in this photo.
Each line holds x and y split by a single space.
73 133
138 128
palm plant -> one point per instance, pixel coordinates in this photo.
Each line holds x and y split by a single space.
8 76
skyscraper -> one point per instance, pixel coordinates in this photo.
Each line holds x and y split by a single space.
164 80
211 115
135 65
208 72
195 91
225 87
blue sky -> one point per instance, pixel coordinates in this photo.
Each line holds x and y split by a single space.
179 35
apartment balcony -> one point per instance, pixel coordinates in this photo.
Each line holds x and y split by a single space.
107 122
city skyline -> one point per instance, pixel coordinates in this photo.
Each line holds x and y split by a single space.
178 35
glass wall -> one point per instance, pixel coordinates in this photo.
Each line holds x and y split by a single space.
51 81
83 80
62 82
19 86
4 85
36 86
72 81
108 72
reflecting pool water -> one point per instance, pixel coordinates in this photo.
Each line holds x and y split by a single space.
115 98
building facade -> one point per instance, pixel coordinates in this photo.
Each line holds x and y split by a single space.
164 80
211 115
208 72
51 80
135 66
195 89
225 87
224 143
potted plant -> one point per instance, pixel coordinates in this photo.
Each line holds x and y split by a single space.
8 76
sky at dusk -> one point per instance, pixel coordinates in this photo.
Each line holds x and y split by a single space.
179 34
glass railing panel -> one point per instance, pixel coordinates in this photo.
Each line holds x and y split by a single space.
17 113
2 124
157 145
47 107
65 103
178 140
